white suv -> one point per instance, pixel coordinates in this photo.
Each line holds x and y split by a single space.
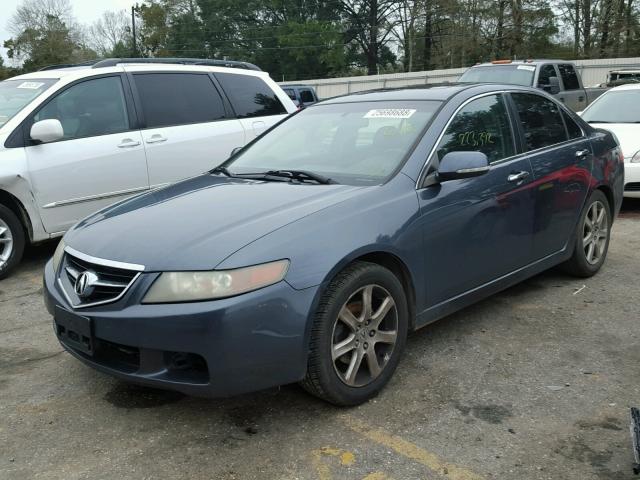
75 139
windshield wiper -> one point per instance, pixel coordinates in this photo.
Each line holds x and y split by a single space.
301 176
223 170
598 121
287 176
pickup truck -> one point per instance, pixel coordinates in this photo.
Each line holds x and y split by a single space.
557 77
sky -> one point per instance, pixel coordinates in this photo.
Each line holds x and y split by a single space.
85 11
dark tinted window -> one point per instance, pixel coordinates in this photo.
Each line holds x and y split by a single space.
569 76
290 93
178 99
482 125
87 109
541 120
306 96
573 128
546 72
250 95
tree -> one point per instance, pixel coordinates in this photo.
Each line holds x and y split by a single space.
110 35
45 33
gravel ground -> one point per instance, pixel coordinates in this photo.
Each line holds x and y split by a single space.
533 383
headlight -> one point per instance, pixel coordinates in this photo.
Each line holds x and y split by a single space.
57 255
173 287
636 157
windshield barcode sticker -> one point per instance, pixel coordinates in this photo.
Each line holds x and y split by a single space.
390 113
30 85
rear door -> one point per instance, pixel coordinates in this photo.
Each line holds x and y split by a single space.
478 229
253 100
187 129
100 158
561 157
572 94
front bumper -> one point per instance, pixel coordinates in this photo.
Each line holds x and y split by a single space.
632 179
217 348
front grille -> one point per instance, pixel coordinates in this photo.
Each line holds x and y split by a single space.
632 187
105 283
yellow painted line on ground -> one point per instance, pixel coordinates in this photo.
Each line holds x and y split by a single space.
322 469
376 476
409 450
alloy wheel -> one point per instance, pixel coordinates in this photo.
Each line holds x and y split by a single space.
364 335
6 243
595 232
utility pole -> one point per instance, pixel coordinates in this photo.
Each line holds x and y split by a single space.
133 30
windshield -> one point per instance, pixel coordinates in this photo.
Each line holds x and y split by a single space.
352 143
15 94
510 74
622 106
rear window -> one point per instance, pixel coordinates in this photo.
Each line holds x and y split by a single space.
541 120
306 96
178 99
569 76
250 95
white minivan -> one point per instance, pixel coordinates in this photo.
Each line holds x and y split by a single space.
76 139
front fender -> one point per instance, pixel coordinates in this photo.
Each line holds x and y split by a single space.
321 244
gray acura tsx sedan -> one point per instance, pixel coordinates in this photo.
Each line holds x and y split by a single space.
310 254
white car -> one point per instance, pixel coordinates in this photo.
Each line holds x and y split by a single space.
618 110
76 139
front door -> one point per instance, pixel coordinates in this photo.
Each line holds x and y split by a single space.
99 160
477 229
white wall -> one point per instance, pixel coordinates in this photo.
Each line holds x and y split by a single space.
593 73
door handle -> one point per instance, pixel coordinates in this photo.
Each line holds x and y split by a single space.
582 153
581 98
517 177
561 99
156 139
128 143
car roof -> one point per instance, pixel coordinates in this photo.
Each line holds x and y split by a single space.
627 86
81 71
521 62
439 92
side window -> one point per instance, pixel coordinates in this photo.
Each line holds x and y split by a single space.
306 95
88 109
569 76
290 93
482 125
573 129
178 98
250 95
546 72
540 119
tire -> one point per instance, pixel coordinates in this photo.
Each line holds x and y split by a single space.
12 241
588 257
362 334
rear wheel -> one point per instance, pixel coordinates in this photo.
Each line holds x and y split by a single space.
358 335
592 237
12 241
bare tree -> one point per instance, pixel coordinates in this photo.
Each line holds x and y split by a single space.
109 31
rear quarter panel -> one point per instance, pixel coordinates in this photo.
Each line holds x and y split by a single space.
608 167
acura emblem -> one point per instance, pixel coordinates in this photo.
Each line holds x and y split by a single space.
85 284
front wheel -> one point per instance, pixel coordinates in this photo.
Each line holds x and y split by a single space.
12 241
592 237
358 335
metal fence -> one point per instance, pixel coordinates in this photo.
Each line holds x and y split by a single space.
593 73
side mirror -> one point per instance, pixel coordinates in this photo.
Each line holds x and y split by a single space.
553 87
46 131
457 165
234 151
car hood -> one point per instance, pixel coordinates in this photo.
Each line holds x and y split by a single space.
197 223
628 135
